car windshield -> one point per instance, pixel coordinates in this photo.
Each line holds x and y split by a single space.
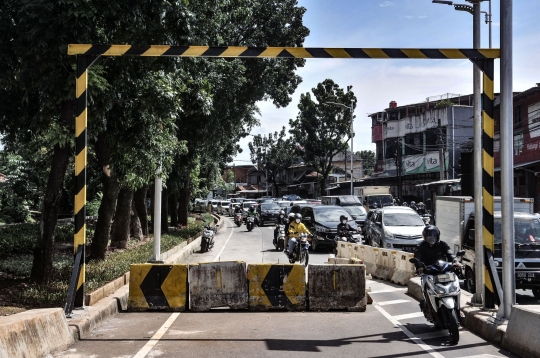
284 204
355 210
330 213
527 230
270 206
380 200
246 205
402 219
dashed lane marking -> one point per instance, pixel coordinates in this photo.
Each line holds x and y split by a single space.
408 315
408 333
386 303
156 337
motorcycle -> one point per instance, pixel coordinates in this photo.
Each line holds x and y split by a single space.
427 218
300 250
279 242
346 236
238 219
207 240
441 292
250 222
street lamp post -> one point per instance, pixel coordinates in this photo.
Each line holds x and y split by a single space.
351 108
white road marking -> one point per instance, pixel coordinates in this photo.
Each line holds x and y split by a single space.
483 356
155 339
385 303
415 339
226 242
388 290
408 315
430 335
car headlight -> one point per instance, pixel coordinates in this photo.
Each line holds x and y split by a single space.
388 234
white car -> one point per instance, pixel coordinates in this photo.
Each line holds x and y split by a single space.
396 227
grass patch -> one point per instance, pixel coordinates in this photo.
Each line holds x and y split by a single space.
17 291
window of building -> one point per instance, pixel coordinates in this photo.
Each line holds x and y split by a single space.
517 117
391 148
518 144
379 150
414 143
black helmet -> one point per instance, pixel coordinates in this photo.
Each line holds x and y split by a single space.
298 216
291 216
342 217
431 234
252 207
405 204
281 212
413 203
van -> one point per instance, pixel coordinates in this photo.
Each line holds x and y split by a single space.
341 200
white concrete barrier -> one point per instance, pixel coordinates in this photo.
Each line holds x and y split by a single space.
357 251
371 257
34 333
404 270
342 249
522 332
386 264
218 284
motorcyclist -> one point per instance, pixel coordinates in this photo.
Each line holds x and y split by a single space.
413 206
295 228
421 208
343 226
254 213
431 250
287 223
404 204
280 221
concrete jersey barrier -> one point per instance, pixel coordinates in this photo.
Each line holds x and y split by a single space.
386 264
218 284
158 286
337 287
276 286
371 257
404 270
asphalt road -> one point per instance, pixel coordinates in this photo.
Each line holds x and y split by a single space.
391 327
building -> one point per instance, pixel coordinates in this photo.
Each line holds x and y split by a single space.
421 143
526 121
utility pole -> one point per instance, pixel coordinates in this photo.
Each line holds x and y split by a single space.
441 156
398 167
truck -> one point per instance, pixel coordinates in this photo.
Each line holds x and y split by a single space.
454 216
374 196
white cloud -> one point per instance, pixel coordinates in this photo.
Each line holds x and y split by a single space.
387 3
422 16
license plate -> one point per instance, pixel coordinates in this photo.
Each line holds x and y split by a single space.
447 277
409 249
526 275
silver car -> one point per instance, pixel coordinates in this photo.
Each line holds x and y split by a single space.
396 227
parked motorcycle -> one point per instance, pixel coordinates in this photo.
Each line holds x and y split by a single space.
279 243
238 219
207 240
441 292
250 222
300 250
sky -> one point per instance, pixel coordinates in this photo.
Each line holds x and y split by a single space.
400 24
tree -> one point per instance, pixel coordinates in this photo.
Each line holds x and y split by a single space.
321 130
278 156
368 161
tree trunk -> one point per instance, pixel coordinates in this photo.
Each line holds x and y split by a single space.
183 204
44 249
164 211
107 207
140 205
135 224
120 232
173 203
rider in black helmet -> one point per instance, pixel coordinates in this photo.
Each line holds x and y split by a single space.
433 249
344 225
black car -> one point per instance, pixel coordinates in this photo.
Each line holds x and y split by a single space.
322 222
268 212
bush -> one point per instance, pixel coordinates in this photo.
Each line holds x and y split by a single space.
17 239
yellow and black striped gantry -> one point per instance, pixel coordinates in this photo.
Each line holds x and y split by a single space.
87 54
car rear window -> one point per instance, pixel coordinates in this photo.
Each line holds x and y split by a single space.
270 206
402 219
330 213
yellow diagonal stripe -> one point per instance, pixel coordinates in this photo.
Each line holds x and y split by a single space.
299 52
413 53
375 53
488 163
488 125
156 50
117 50
80 200
295 285
80 162
487 281
78 49
80 122
271 52
194 51
488 239
488 87
491 53
233 51
81 83
136 299
487 201
174 287
452 53
82 275
79 238
256 275
337 52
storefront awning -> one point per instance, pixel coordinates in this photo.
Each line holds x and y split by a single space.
441 182
521 165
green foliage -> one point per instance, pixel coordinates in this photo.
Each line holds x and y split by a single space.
92 206
444 103
17 239
368 161
321 130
